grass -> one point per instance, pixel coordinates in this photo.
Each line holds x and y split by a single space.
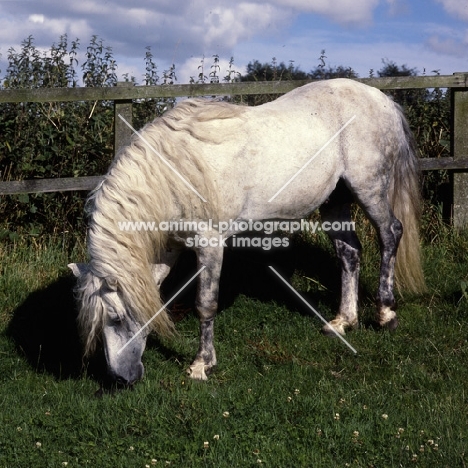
283 395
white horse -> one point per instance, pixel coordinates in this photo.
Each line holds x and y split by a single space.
321 145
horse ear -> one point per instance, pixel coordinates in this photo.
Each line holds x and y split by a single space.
78 268
111 282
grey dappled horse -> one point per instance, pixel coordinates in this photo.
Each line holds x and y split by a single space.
210 160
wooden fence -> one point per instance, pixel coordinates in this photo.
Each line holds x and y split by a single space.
124 93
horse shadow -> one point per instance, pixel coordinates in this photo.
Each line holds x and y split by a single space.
44 327
248 272
44 330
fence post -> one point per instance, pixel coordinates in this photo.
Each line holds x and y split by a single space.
122 132
459 143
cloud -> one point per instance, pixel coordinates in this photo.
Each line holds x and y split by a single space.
445 40
175 31
196 24
36 18
397 7
448 41
182 33
347 12
448 46
457 8
228 25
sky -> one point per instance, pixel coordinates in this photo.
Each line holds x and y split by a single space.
428 35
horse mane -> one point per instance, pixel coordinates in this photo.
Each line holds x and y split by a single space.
140 187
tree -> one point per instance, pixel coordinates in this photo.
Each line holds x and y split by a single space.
327 73
404 97
54 139
428 113
273 71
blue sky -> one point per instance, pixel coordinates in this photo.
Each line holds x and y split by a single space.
426 35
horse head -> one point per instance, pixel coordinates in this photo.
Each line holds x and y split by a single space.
104 317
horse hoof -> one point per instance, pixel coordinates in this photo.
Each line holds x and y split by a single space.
387 319
199 371
391 324
197 374
331 329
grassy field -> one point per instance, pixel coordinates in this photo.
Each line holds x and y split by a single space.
283 395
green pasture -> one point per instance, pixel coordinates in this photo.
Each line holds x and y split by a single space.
283 395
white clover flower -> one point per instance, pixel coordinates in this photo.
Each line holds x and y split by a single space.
385 416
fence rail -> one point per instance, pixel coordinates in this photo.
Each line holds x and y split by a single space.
69 184
457 80
124 93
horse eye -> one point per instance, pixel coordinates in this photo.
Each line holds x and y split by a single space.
113 315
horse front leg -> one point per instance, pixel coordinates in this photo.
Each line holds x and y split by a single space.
390 231
166 261
348 250
207 304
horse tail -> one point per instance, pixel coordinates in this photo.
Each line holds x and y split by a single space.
406 202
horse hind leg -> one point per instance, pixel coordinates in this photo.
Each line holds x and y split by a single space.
389 236
348 250
390 231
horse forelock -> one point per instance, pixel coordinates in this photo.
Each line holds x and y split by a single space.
139 296
90 316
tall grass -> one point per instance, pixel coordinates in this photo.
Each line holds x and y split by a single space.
283 395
